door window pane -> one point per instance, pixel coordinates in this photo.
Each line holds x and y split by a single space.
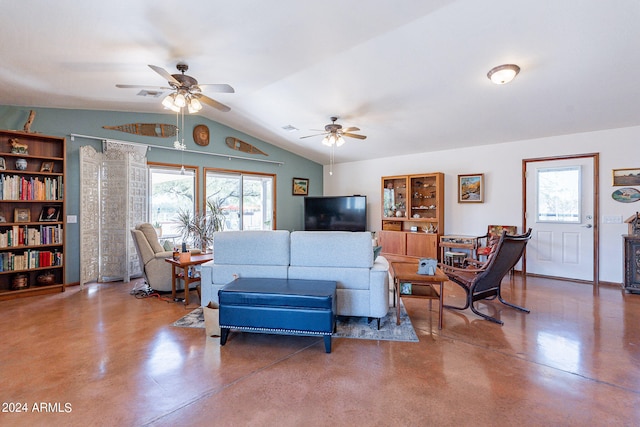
223 189
172 190
558 197
246 199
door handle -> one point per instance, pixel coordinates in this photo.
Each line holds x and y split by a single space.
587 226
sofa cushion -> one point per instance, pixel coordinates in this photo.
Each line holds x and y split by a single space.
255 247
346 277
222 274
331 249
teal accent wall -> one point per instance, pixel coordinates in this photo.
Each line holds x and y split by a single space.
64 122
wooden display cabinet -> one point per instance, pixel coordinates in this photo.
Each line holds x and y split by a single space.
412 214
631 263
32 212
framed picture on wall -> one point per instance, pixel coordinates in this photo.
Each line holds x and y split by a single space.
471 188
623 177
300 186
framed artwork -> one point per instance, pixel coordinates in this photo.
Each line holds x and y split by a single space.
405 289
300 186
46 167
22 215
3 164
50 213
622 177
471 188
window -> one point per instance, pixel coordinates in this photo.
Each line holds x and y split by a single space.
251 194
171 190
558 197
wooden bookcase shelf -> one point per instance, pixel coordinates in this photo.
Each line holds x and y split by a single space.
412 214
32 212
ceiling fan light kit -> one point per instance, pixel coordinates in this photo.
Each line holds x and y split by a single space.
503 74
334 137
187 93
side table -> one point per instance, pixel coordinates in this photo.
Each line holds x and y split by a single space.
423 286
177 265
449 243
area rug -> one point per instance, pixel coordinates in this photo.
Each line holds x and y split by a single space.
347 327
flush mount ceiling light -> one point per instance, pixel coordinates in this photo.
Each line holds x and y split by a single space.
503 73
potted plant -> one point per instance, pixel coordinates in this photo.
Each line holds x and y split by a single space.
198 228
158 227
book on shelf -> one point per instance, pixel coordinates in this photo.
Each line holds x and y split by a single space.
18 187
31 236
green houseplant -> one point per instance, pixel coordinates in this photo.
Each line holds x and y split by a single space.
198 228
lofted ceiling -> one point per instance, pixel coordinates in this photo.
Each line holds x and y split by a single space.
411 74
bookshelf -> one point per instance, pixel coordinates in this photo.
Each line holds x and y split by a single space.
32 212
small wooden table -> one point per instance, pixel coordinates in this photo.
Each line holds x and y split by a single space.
453 242
176 274
423 286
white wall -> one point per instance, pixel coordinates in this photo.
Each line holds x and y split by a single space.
502 167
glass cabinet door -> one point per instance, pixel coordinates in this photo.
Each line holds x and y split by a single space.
394 198
424 200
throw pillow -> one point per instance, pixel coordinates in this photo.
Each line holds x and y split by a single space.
376 252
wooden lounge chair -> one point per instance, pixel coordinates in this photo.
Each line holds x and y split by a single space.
484 283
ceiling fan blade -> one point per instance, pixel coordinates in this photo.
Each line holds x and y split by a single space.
317 134
164 73
213 103
351 129
353 135
142 87
217 87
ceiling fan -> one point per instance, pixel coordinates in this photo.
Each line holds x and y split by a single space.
187 91
333 133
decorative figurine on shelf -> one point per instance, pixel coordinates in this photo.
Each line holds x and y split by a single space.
27 125
17 147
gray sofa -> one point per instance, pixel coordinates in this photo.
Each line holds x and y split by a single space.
344 257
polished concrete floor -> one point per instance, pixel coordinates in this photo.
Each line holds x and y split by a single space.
99 356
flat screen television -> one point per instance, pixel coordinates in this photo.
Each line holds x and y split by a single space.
335 213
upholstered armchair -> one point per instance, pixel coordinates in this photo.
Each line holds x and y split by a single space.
494 232
151 254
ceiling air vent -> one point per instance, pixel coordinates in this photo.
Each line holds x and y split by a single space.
152 93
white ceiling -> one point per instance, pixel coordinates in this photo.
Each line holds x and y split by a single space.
410 74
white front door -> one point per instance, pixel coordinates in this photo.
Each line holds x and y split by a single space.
560 209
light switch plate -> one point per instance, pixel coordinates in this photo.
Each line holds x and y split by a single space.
612 219
72 219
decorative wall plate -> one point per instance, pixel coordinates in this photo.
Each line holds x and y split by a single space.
626 195
201 135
